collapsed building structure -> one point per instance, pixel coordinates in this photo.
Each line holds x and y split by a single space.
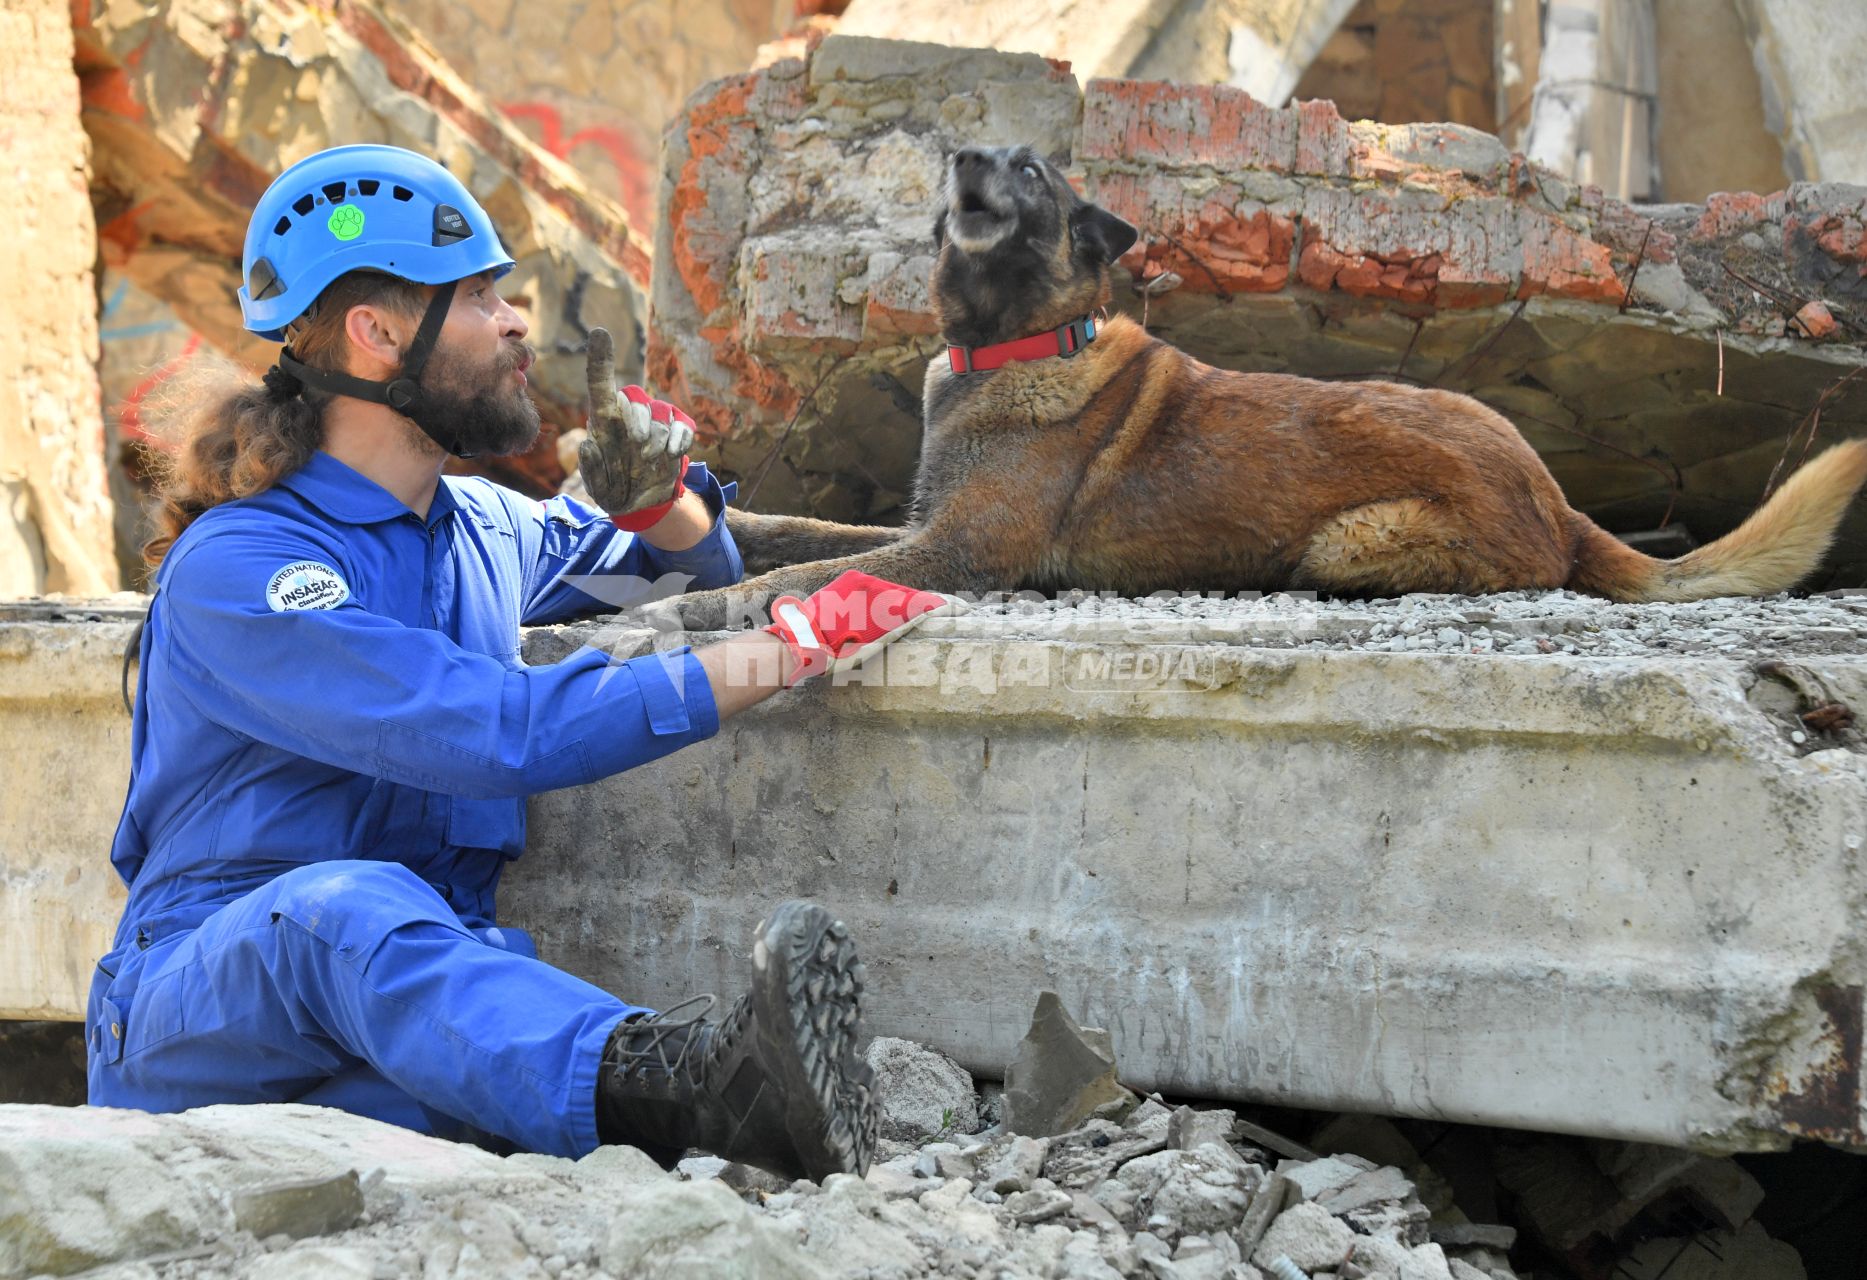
1419 858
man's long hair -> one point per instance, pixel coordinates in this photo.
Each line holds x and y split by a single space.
229 437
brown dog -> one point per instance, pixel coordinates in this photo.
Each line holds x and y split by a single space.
1127 465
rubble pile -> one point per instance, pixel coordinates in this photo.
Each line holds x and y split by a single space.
292 1191
1139 1189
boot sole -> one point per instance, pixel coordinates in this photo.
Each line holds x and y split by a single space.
807 989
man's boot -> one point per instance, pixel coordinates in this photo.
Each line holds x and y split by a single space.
776 1083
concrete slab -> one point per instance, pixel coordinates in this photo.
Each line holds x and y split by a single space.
1597 895
1617 895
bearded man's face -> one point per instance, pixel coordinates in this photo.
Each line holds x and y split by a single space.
480 402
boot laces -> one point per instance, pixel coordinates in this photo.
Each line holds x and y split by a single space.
647 1047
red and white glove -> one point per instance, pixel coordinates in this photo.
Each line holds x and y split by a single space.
634 459
671 424
855 616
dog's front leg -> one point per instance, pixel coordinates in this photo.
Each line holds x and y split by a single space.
773 542
911 561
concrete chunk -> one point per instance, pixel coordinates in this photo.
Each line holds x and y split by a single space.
1188 1128
1367 1189
309 1207
923 1093
1318 1178
1267 1202
1030 1207
1012 1163
1062 1073
1309 1236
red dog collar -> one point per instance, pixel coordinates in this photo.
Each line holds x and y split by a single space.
1065 340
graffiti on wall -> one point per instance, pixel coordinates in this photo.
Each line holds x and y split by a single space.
633 182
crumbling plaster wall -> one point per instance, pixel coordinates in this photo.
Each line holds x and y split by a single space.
594 81
194 107
55 509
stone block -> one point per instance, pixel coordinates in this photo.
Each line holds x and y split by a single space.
1011 1163
1187 1128
1270 1199
678 1229
1196 1192
1090 1153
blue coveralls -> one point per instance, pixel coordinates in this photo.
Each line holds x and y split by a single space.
333 739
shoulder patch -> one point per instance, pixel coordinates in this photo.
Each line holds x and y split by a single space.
306 585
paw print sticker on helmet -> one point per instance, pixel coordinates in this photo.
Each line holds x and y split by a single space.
346 222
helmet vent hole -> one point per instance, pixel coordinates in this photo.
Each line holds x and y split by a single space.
367 186
303 205
402 193
282 226
334 191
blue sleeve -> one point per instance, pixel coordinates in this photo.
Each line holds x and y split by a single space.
360 691
586 563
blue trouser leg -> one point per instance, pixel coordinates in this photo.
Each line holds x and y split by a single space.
356 967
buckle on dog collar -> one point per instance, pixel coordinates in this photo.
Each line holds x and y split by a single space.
1065 340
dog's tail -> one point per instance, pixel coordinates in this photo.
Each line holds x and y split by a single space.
1778 546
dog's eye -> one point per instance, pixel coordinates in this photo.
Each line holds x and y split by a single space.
1028 170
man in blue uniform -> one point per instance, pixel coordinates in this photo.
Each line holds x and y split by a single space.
334 732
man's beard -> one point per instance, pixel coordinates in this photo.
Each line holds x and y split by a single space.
482 409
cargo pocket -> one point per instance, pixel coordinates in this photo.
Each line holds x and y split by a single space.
160 1013
497 824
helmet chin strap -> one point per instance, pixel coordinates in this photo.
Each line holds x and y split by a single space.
401 393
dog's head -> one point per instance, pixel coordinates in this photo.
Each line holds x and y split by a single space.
1019 250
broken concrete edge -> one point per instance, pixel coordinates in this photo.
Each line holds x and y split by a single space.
965 667
1230 195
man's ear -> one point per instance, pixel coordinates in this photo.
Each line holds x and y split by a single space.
1099 234
376 333
940 230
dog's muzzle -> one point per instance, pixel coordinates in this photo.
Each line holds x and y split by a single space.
980 210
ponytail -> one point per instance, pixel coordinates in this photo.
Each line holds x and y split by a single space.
232 438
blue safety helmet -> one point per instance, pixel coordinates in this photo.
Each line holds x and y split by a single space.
365 207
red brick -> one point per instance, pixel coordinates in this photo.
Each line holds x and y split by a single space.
1322 140
1816 320
1185 126
1728 213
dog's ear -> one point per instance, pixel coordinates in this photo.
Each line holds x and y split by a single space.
1100 234
940 231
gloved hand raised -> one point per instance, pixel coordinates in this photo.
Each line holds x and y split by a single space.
636 452
855 616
